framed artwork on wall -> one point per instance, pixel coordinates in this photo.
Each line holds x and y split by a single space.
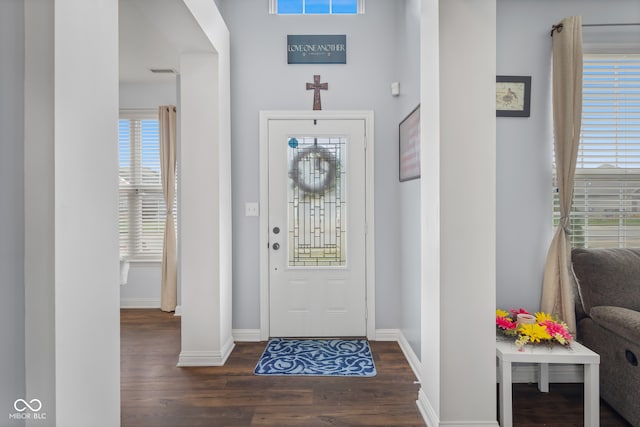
410 146
513 96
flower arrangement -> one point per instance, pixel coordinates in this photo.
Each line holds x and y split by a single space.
527 328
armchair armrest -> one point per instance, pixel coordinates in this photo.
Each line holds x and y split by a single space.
621 321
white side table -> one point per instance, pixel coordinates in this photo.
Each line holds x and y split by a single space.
508 353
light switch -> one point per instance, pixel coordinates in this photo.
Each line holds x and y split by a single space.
251 209
395 89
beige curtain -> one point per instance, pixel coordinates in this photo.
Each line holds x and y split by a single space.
167 118
559 287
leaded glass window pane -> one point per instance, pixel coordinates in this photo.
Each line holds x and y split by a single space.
317 202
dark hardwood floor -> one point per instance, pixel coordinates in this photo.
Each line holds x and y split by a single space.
561 407
156 393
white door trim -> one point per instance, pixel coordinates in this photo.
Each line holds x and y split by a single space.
265 116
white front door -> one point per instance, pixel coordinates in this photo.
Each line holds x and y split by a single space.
317 228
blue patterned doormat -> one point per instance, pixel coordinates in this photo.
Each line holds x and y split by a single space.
321 357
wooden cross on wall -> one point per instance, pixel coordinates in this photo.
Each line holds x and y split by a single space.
317 86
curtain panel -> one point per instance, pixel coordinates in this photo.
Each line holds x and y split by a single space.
169 284
558 289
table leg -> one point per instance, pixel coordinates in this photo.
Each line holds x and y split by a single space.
505 394
543 377
591 395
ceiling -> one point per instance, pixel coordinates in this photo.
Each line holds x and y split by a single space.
153 34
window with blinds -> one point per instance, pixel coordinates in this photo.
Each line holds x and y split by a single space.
606 200
142 212
316 7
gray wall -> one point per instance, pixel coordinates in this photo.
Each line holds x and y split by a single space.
524 145
147 95
408 74
262 80
12 350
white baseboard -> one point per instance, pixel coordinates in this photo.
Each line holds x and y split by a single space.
178 311
411 356
429 414
139 303
387 334
206 358
246 335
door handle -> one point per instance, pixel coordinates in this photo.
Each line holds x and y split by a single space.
276 246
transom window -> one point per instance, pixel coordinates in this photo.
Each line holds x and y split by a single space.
606 199
316 7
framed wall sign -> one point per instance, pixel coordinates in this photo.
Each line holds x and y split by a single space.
410 146
317 49
513 96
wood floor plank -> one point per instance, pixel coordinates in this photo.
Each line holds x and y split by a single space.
343 415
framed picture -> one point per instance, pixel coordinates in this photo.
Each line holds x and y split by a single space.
410 146
513 96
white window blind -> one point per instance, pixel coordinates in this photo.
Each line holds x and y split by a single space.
142 212
606 200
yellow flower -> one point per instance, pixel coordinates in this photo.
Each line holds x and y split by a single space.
521 342
501 313
534 331
560 339
542 316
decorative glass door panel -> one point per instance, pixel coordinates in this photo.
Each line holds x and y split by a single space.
316 199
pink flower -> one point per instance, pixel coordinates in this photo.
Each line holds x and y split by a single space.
516 312
505 323
557 330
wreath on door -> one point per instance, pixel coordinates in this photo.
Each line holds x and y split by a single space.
313 170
